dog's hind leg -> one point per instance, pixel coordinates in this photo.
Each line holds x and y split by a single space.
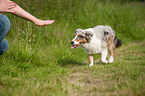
104 55
90 56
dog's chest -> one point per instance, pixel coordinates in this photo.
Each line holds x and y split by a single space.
94 46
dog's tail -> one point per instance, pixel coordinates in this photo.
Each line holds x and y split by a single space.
118 42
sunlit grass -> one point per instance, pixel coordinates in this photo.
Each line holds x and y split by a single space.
39 60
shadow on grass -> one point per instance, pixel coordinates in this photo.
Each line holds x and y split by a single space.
99 62
70 62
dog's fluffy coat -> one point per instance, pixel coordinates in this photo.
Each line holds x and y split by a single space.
99 39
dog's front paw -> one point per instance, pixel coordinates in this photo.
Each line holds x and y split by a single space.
111 59
91 65
104 61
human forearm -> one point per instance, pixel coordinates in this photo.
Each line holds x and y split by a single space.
22 13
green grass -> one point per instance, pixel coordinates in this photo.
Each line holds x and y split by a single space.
39 60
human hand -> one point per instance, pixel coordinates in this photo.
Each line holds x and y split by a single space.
5 6
43 22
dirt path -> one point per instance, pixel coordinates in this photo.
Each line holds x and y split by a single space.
110 79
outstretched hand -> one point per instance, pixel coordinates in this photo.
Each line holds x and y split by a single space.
43 22
5 6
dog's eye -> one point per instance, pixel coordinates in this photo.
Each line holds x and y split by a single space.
80 37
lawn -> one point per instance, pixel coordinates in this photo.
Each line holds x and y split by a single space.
40 62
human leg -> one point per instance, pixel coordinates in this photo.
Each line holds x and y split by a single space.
4 28
3 46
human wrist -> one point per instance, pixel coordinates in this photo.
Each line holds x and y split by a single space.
36 20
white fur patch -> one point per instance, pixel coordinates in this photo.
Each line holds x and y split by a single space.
94 46
76 43
92 64
111 59
104 56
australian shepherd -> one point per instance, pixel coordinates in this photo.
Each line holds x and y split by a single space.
100 39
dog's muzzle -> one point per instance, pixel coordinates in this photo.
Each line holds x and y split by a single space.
75 44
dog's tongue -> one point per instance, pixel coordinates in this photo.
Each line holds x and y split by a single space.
75 46
72 47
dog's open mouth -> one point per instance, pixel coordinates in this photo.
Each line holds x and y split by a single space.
75 46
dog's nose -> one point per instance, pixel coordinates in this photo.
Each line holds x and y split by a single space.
72 42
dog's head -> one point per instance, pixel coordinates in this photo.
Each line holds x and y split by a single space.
81 37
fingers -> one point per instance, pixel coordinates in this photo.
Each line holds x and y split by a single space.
49 22
10 11
11 5
44 22
11 2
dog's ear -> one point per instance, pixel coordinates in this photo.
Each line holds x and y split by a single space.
89 33
77 31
